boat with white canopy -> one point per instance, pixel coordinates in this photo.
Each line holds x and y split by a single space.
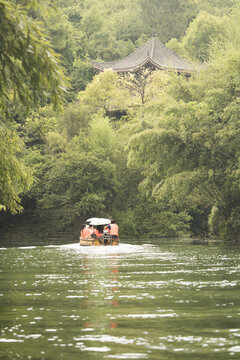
96 232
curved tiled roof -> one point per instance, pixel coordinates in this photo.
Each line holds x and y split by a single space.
153 53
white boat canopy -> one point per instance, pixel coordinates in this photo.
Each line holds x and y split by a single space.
98 221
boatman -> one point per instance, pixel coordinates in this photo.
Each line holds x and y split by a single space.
113 229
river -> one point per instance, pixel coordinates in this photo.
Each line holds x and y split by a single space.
168 300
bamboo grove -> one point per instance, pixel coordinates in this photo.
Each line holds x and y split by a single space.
161 154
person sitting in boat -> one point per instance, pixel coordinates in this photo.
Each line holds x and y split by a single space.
93 232
106 229
99 231
113 229
85 233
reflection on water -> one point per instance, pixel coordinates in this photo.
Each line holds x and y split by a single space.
167 301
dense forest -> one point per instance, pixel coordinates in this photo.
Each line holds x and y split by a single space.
161 155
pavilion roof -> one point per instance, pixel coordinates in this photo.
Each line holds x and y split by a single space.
153 53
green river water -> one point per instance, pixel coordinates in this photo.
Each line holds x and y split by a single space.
169 300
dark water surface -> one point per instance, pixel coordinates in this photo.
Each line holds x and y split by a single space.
136 301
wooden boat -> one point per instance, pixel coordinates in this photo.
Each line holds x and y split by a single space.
106 238
99 241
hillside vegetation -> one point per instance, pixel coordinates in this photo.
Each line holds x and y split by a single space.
161 155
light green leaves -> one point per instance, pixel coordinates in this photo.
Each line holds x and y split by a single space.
29 68
14 176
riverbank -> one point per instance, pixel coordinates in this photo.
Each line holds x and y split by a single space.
33 229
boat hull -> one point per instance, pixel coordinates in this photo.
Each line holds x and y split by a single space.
106 241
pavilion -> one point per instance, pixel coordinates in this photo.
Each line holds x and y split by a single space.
154 55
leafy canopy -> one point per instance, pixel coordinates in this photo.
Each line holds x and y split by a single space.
29 68
29 73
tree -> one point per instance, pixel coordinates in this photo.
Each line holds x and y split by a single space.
29 68
201 35
14 176
30 72
105 92
168 18
78 183
190 155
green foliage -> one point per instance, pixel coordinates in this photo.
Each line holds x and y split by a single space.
130 22
102 139
62 36
36 125
105 92
168 167
82 73
79 177
92 21
168 18
188 157
157 220
29 73
77 182
216 7
29 68
200 36
127 223
55 143
14 176
74 119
